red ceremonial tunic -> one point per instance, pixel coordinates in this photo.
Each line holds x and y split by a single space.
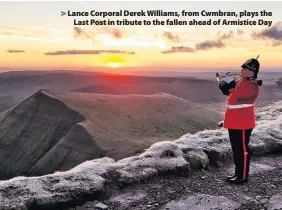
245 92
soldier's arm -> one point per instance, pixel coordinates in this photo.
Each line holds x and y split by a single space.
226 87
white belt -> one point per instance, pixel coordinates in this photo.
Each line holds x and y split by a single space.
239 106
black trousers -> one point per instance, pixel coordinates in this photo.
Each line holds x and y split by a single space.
239 140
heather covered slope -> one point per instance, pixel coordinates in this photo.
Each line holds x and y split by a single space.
52 131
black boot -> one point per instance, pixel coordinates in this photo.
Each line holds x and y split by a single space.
230 177
238 180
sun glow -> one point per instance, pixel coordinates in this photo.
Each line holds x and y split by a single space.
115 64
114 61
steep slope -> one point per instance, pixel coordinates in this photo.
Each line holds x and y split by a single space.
56 130
31 129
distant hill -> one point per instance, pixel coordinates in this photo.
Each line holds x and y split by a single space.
17 86
54 130
102 89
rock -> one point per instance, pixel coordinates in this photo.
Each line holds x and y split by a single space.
257 197
263 201
275 202
197 159
59 188
101 206
254 168
201 202
161 157
124 200
171 191
258 167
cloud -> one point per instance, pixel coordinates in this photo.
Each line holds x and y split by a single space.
180 49
171 37
88 52
273 33
206 45
16 51
80 33
226 35
32 33
114 32
276 43
230 34
92 32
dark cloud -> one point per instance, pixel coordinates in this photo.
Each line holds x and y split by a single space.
273 33
16 51
180 49
206 45
171 37
88 52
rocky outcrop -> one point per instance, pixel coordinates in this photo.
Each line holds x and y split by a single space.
182 156
51 191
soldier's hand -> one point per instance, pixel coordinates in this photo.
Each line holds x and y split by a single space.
220 124
231 90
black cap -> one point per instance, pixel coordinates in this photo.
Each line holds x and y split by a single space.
253 65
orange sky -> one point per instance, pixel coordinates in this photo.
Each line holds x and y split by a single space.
33 32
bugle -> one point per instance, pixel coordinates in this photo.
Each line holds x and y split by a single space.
236 76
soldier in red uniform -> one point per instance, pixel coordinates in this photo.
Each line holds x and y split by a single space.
239 116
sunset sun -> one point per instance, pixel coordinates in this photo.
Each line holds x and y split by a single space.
114 61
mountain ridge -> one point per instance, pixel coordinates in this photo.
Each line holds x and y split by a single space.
56 130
